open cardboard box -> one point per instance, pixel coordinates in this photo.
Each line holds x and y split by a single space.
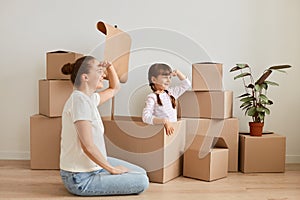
148 146
221 133
55 61
205 164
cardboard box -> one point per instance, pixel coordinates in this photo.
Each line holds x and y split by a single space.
206 104
207 76
55 61
209 166
52 96
117 48
219 134
148 146
262 154
44 142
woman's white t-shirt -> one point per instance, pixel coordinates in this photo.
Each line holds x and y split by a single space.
80 106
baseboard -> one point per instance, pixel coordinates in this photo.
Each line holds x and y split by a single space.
7 155
292 159
14 155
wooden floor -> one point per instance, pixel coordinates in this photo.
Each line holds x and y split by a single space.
17 181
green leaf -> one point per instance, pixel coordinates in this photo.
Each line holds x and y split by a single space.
263 109
280 67
271 83
235 69
247 110
246 104
263 97
252 111
264 85
269 102
242 75
238 67
267 110
257 88
243 95
242 65
261 116
260 109
246 99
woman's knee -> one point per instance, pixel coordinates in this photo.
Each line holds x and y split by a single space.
143 183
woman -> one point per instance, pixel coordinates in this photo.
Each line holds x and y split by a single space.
85 168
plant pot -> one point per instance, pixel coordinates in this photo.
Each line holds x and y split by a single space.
256 128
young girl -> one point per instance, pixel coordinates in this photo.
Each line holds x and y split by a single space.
160 105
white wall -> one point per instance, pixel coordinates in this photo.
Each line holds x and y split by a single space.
258 32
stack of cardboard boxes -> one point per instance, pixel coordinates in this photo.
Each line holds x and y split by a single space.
45 127
211 132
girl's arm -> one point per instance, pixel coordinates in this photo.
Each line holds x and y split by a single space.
179 74
114 84
84 131
183 86
148 117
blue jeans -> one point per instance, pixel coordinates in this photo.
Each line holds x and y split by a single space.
101 182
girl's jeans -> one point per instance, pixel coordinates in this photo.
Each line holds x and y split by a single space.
102 182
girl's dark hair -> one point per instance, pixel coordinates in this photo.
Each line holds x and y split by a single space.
81 66
154 71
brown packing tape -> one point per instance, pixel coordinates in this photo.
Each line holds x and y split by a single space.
117 48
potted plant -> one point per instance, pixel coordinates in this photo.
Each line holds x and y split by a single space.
255 101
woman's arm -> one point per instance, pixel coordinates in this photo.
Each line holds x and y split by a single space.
84 131
114 84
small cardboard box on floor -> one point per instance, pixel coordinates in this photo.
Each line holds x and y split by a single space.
55 61
206 104
44 142
205 164
221 133
53 95
207 76
262 154
148 146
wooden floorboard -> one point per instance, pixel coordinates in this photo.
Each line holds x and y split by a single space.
18 181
